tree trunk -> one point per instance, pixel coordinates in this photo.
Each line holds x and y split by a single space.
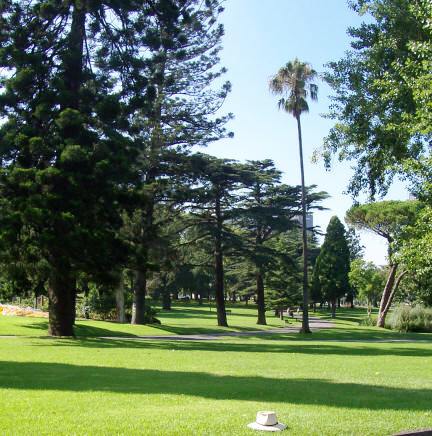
333 308
60 302
390 299
305 319
260 298
386 295
138 308
74 60
219 272
120 300
73 297
166 301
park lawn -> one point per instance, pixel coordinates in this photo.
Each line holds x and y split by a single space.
186 318
190 318
153 387
335 382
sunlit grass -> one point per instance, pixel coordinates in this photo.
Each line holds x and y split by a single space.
94 386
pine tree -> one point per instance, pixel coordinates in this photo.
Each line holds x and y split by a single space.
268 209
333 264
181 65
68 88
212 211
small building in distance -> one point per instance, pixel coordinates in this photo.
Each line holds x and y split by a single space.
309 220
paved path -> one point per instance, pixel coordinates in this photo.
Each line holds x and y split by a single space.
315 324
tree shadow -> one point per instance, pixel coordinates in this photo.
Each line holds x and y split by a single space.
313 348
76 378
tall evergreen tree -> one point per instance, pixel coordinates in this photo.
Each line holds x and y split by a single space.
333 264
268 208
181 64
66 92
212 211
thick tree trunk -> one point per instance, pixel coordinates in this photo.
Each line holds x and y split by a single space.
260 298
138 307
219 272
73 297
60 297
120 299
305 319
386 295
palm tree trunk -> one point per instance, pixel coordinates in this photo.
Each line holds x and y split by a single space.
305 320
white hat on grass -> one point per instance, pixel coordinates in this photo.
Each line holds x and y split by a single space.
267 421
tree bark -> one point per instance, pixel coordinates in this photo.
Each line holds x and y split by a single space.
166 301
219 272
305 318
390 299
60 302
138 307
120 300
333 308
260 298
73 297
386 295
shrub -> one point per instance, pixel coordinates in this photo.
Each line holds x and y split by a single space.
102 306
369 320
411 319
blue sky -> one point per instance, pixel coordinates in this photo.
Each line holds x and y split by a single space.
260 37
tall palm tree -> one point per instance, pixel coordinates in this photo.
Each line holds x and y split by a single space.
294 82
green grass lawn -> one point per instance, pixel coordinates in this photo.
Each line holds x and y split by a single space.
335 382
187 318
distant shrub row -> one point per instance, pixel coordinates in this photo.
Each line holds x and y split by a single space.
411 319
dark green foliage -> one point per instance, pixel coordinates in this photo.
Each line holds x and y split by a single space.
213 209
65 150
181 67
268 209
355 248
283 279
331 270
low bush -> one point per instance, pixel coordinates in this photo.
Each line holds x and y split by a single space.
369 320
101 306
411 319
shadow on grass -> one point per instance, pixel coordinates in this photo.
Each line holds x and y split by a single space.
83 330
317 348
74 378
